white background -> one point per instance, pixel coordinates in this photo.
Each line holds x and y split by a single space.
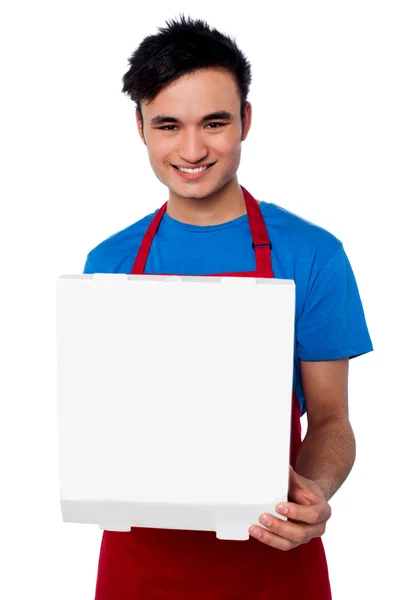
323 144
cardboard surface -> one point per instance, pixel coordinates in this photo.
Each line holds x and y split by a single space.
174 400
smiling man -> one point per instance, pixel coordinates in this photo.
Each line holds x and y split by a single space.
190 84
194 149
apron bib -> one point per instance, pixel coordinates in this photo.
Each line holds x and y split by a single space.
163 564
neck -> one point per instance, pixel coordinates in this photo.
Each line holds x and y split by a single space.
226 204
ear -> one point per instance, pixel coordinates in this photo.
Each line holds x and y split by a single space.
140 126
248 120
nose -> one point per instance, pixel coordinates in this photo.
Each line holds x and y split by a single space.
192 147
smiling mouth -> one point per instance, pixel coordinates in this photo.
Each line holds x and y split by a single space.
194 171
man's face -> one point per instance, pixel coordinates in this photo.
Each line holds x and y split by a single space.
184 139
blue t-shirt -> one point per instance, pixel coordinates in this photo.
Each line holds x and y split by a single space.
329 321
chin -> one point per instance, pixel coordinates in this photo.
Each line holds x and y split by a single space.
204 192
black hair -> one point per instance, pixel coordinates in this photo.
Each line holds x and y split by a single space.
180 48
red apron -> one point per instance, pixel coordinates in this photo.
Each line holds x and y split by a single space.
163 564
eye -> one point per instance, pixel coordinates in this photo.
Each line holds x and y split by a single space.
214 123
165 127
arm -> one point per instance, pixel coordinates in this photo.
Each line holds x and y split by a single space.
327 453
324 460
330 329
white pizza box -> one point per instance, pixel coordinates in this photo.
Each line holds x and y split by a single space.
174 400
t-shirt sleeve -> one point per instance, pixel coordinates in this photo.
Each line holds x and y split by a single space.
96 265
332 324
89 267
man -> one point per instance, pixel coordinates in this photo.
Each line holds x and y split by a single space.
190 85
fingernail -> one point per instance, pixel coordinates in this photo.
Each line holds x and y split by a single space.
282 509
255 532
265 520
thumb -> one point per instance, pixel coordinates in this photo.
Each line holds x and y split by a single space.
298 490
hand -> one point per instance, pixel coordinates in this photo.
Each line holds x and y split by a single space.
307 516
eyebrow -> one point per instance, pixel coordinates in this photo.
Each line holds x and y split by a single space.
221 115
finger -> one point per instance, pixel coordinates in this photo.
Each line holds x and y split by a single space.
295 532
316 513
270 539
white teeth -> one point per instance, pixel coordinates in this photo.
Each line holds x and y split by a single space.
192 170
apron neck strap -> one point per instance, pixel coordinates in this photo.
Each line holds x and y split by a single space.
260 239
